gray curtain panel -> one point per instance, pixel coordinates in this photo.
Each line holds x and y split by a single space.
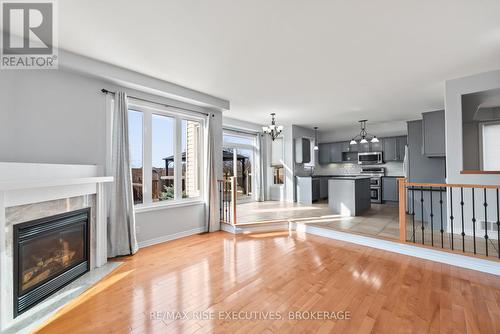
122 238
212 219
261 194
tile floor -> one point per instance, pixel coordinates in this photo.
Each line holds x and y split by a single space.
381 221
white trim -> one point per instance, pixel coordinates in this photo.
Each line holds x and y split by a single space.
165 238
228 228
462 261
101 226
148 110
44 183
165 205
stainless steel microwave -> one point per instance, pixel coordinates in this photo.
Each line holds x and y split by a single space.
370 158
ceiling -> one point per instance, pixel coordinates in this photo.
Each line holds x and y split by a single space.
326 63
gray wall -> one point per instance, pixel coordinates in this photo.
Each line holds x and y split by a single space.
56 116
455 89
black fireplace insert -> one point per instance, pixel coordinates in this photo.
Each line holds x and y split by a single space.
49 253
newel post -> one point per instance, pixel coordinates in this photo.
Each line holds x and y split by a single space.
402 209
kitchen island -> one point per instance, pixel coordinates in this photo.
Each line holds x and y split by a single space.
349 195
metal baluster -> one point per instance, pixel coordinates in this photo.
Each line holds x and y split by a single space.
462 205
451 217
226 200
413 211
498 225
221 202
441 215
432 219
485 220
422 211
229 200
474 219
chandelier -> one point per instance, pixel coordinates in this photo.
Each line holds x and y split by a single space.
273 130
363 136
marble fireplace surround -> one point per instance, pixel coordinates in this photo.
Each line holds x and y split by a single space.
32 191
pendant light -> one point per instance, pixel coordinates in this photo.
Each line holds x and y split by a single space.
363 137
316 138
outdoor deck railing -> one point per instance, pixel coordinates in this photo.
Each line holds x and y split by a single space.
458 217
227 200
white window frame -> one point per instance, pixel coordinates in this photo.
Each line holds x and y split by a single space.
148 110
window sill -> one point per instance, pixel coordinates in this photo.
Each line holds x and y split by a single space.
140 208
480 172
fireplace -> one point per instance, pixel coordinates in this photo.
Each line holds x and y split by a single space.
49 253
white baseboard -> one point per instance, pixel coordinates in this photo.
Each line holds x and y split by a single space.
490 267
227 228
170 237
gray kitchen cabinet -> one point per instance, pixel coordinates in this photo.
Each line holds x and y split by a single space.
394 148
324 154
323 187
336 152
400 147
390 149
364 147
377 147
433 134
315 189
353 148
390 191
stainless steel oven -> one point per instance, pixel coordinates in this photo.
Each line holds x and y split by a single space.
376 195
370 158
375 174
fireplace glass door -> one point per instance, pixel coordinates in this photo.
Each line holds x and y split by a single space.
49 253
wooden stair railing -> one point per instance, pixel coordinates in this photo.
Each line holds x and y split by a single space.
227 200
454 217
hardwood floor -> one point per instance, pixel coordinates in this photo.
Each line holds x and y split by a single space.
283 272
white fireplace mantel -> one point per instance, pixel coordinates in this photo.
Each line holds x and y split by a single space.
30 183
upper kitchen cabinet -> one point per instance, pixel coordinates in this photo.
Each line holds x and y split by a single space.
401 142
324 154
353 148
390 144
364 147
394 148
336 152
433 134
377 147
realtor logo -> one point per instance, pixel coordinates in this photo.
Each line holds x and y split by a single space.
28 35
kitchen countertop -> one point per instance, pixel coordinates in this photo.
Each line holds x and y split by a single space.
354 175
350 177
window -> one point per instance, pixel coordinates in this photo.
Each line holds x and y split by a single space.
491 146
162 146
135 127
278 175
165 155
191 171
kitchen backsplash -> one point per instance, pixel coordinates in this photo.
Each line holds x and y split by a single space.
391 169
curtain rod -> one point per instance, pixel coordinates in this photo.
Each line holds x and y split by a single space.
105 91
